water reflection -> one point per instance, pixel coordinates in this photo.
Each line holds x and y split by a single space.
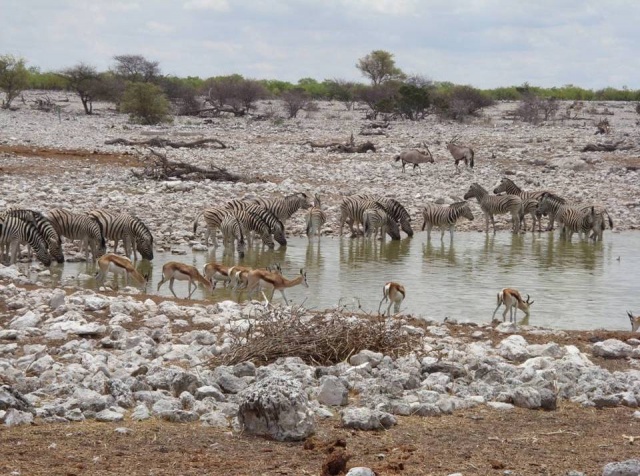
359 250
446 254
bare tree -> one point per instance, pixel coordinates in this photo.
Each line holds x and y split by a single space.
343 91
295 100
534 109
379 98
82 78
14 78
136 68
234 93
379 66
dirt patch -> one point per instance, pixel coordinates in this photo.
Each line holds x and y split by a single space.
477 441
51 159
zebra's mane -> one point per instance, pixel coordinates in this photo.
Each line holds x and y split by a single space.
459 204
555 198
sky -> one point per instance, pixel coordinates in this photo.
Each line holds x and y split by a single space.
483 43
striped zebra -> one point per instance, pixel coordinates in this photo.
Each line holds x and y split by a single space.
444 217
375 219
352 210
253 222
530 207
506 185
284 207
397 212
14 231
274 223
78 226
316 218
231 229
130 229
213 218
496 205
576 216
44 226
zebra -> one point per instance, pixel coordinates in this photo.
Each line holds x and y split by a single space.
213 218
352 210
44 226
398 213
496 205
275 224
315 218
444 217
130 229
530 207
506 185
284 207
566 212
375 219
252 221
231 229
14 231
78 226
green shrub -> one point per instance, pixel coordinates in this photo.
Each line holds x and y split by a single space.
145 103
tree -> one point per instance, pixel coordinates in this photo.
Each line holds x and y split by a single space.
341 90
145 103
379 66
380 98
14 78
459 102
136 68
234 93
295 100
83 79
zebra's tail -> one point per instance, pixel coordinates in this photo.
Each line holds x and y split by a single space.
195 222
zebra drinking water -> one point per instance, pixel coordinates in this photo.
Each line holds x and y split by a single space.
14 231
78 226
44 226
130 229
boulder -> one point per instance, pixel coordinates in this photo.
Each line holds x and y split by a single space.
366 419
332 391
630 467
276 406
612 349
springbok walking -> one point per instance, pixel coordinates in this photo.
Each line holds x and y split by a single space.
183 272
260 278
395 294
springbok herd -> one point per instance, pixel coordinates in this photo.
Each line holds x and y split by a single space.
239 220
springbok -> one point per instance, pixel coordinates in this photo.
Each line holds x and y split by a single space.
460 152
414 157
635 321
183 272
512 302
395 294
215 272
116 264
269 280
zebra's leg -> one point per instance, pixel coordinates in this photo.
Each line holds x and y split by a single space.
13 251
451 231
442 230
429 227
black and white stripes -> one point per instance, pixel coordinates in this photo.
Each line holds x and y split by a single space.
444 217
496 205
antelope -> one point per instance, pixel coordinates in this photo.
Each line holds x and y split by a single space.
460 152
215 272
635 321
414 157
238 276
183 272
512 302
116 264
395 294
275 281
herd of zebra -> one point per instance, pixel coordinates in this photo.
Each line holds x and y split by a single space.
43 233
238 220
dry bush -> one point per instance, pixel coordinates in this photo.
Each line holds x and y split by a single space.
325 339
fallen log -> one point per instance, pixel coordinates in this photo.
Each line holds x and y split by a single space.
349 147
158 142
158 167
608 147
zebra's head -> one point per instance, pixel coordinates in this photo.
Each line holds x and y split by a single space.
55 250
502 186
463 209
145 247
393 230
475 190
406 227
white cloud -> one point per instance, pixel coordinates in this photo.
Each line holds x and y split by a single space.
215 5
157 27
225 47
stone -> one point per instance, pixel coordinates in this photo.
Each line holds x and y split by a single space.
332 391
95 303
14 417
215 419
11 398
27 320
140 412
108 415
57 299
361 418
612 349
630 467
229 383
366 356
500 406
276 406
360 471
179 416
526 397
210 391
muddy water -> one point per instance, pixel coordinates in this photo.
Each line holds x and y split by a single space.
574 286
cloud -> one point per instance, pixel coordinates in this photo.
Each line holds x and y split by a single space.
215 5
157 27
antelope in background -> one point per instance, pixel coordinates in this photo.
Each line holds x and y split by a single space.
460 153
183 272
116 264
635 321
395 294
512 302
415 157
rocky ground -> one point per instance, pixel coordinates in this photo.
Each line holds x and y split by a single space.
105 383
